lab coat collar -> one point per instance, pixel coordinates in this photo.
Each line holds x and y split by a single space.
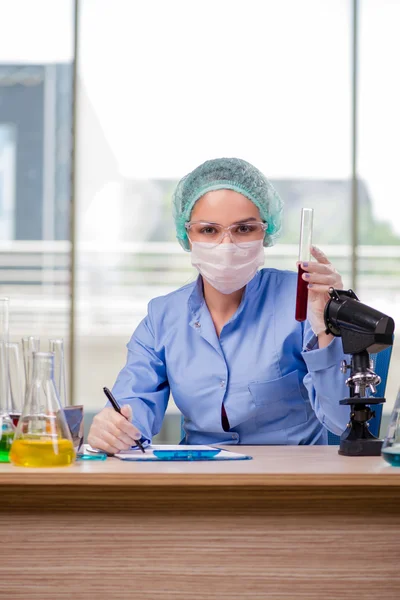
197 305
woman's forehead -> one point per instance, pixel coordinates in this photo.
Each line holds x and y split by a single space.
224 207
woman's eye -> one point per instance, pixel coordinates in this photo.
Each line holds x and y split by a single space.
244 229
208 230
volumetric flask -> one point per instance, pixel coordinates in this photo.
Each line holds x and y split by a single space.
304 256
391 443
57 348
6 425
42 438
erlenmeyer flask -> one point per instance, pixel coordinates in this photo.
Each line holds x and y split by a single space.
391 443
6 425
42 438
57 347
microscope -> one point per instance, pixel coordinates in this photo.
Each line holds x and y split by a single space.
363 330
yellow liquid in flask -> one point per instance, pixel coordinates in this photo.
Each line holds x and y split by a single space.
42 453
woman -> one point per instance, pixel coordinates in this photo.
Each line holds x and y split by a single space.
238 365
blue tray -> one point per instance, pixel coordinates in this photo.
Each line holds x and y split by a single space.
186 454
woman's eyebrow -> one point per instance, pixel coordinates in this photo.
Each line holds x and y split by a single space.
245 220
234 223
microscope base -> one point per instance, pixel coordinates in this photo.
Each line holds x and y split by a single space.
369 447
357 440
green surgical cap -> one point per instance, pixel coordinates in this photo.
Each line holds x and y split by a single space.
227 174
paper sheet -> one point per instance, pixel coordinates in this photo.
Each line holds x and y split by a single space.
137 455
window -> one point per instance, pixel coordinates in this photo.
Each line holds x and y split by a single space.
178 83
161 87
379 156
7 181
36 53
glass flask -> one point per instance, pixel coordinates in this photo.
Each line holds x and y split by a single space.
17 379
30 345
73 414
42 438
391 443
6 424
57 348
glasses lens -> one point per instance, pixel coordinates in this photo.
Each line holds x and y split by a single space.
205 232
247 232
213 233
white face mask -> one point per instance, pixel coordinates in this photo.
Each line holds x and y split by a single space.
228 267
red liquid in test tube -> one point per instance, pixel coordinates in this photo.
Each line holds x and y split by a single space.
15 418
304 256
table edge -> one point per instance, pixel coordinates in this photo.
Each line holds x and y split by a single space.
200 480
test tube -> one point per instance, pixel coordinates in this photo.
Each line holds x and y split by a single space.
304 256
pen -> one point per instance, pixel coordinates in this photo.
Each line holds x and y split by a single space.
117 407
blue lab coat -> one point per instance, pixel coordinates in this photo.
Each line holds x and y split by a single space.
276 385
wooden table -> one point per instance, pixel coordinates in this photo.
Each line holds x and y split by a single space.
295 522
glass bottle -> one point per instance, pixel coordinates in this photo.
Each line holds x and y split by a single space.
42 438
57 347
391 443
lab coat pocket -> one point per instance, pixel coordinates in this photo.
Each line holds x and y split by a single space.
279 403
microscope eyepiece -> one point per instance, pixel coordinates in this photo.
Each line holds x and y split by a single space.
360 326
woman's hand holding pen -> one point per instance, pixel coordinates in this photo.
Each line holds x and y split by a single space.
113 432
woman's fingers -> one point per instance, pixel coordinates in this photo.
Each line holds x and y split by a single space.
319 288
112 432
112 440
319 255
121 435
329 279
314 267
122 424
321 273
101 444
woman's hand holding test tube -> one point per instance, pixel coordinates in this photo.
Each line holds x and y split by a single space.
320 276
113 432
